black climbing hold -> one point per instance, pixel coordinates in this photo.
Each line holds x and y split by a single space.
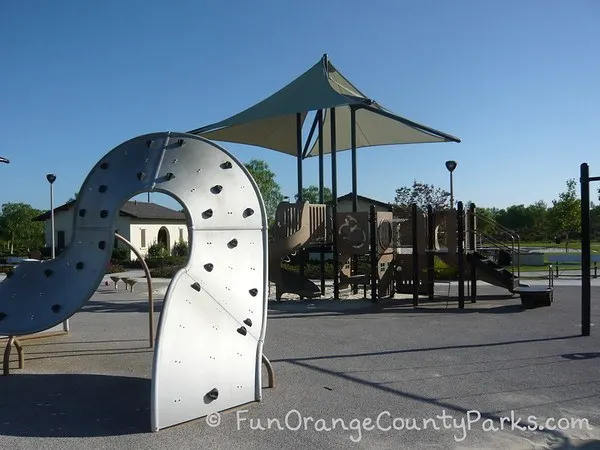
82 212
213 394
169 176
253 292
104 214
141 176
101 245
180 142
104 166
102 189
207 214
56 308
79 265
242 331
247 212
196 286
2 316
209 267
232 243
48 272
216 189
248 322
226 165
149 143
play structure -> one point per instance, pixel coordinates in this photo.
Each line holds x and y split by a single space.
211 332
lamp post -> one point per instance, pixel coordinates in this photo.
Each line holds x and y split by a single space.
51 179
451 165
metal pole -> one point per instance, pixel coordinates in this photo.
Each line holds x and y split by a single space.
451 191
354 260
374 265
52 220
148 281
415 254
460 240
321 195
430 252
585 250
299 156
472 225
336 262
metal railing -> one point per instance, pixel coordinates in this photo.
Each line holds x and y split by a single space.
515 240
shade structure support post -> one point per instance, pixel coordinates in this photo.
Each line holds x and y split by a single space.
472 247
373 252
460 252
430 252
415 253
586 292
299 168
336 255
354 260
322 196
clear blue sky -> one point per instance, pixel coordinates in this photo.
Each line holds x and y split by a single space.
518 82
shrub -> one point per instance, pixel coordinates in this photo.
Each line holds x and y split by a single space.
120 254
157 250
164 272
181 248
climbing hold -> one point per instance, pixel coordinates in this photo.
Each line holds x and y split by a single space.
209 267
149 143
248 322
242 331
169 176
2 316
104 214
101 245
226 165
82 212
48 272
247 212
102 189
56 308
216 189
232 243
253 292
207 214
141 176
104 166
180 142
213 394
79 265
196 286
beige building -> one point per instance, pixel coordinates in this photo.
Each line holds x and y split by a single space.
141 223
363 204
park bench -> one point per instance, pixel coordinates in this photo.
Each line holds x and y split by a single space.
571 258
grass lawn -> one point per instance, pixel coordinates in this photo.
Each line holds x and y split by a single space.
595 246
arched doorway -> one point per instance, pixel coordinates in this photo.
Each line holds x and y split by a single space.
163 238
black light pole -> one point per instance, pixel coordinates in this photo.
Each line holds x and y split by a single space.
451 165
51 179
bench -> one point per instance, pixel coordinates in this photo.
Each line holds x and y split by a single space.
536 296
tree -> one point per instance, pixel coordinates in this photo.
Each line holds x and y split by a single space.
422 194
17 227
565 218
269 189
311 194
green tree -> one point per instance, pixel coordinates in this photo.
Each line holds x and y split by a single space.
422 194
269 189
17 227
311 194
565 218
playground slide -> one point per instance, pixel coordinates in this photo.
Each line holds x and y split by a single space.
296 220
211 332
487 270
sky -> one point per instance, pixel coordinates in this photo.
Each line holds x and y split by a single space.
518 82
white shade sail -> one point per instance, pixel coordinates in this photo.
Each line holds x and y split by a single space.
272 123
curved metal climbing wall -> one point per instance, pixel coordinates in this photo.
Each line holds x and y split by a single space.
212 327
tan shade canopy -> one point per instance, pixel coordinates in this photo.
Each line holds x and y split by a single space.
272 122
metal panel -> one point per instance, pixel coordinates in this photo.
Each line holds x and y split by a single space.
212 327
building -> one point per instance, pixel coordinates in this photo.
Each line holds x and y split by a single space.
363 204
141 223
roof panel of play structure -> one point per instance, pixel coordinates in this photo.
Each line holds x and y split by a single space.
272 122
